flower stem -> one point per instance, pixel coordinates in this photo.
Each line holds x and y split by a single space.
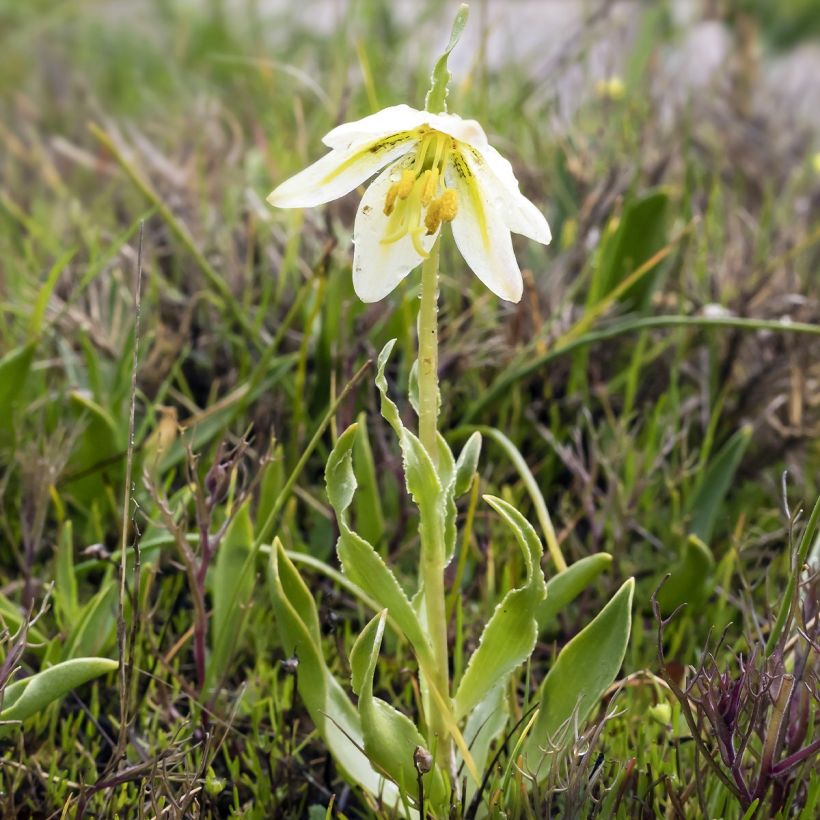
432 544
428 354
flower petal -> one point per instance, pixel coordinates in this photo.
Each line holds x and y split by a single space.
469 132
340 171
497 177
392 120
377 266
481 232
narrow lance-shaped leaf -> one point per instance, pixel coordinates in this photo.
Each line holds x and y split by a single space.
368 506
362 564
390 738
232 584
715 483
584 670
331 711
25 698
467 464
564 587
509 637
65 588
436 511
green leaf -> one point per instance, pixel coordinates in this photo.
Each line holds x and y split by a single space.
436 99
564 587
331 711
690 578
15 367
467 464
390 738
361 563
485 724
11 617
368 507
584 670
232 586
510 635
25 698
94 630
98 459
66 601
435 502
534 491
708 498
641 232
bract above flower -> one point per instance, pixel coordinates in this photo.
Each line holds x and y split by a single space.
435 168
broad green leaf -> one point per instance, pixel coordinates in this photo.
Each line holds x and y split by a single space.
707 500
331 711
390 738
689 577
584 670
368 506
564 587
66 601
94 630
361 563
25 698
467 464
232 587
510 635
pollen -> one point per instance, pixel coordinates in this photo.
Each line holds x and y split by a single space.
429 184
390 199
406 184
448 205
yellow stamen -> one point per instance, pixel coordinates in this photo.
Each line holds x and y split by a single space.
412 202
406 183
390 199
429 184
432 219
448 205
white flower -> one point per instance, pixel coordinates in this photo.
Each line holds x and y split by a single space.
440 168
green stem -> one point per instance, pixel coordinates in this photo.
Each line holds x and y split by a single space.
428 354
432 545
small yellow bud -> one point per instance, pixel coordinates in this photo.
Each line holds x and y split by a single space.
815 161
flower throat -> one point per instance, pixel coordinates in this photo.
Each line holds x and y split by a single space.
420 201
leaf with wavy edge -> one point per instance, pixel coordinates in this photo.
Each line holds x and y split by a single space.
390 738
510 635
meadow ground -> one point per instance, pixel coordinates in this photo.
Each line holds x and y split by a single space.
657 390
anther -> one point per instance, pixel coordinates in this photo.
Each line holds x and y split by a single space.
448 205
390 199
432 218
406 183
429 183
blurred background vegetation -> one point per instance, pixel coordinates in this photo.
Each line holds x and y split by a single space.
660 376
